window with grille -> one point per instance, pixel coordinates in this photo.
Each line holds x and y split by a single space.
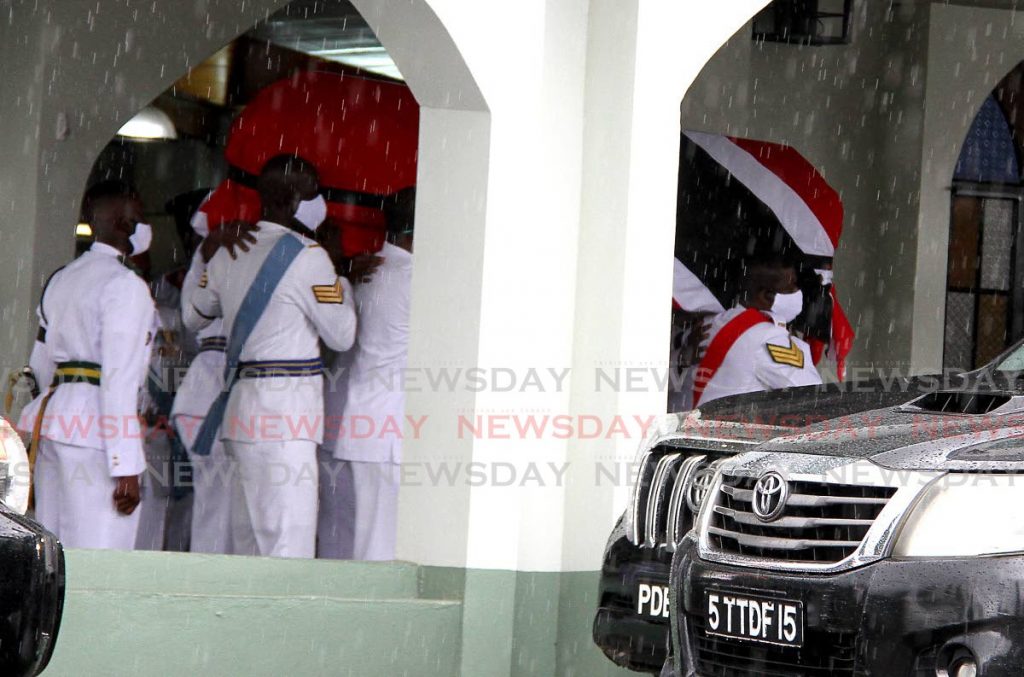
984 301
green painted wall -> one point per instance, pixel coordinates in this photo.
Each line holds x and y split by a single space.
523 624
169 614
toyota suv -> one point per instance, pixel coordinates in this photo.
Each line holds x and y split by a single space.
675 465
887 542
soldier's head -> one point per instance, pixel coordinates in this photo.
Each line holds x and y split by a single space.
112 209
285 182
329 237
400 212
766 279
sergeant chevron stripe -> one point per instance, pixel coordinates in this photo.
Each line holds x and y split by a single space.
792 356
329 293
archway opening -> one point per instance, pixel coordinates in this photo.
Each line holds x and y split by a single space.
985 288
303 38
806 150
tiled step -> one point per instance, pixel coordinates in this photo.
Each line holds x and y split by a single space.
170 572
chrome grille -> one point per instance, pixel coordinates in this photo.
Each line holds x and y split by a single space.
822 522
661 511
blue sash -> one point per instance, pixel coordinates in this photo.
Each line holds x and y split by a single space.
249 313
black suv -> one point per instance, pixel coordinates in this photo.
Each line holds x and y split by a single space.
888 542
676 464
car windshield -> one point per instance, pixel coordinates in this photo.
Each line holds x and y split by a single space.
1013 362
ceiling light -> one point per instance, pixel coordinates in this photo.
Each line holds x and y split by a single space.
83 230
150 123
370 59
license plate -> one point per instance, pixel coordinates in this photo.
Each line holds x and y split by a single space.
769 620
652 600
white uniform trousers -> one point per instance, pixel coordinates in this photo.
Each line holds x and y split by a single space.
156 492
75 498
278 483
213 482
359 518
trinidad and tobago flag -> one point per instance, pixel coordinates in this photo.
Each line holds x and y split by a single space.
361 134
741 199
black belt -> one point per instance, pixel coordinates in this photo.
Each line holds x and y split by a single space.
272 368
339 195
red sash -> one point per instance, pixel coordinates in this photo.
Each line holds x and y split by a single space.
720 347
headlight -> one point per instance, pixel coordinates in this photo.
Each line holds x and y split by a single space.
14 475
966 515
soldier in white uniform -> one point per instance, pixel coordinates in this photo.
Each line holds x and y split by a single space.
360 522
211 474
750 347
274 413
99 320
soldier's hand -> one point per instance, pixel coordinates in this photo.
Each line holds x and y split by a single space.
233 235
127 494
362 267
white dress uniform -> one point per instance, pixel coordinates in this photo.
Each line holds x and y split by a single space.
213 476
369 447
100 317
765 357
273 423
155 488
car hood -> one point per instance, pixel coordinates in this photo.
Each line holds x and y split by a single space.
794 408
902 438
891 423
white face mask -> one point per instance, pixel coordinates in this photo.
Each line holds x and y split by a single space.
141 238
311 213
787 306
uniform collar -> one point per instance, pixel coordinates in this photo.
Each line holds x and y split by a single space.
106 250
396 255
273 227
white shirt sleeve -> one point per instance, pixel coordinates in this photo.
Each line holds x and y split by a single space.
42 365
784 362
196 270
325 298
200 302
126 337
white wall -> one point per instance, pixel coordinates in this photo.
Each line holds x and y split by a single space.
21 49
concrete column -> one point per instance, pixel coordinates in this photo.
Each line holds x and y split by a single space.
493 289
642 57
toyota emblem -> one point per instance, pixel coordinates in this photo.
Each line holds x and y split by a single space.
770 495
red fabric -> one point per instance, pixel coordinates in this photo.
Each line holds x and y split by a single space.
231 201
842 335
720 346
817 349
801 176
361 134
